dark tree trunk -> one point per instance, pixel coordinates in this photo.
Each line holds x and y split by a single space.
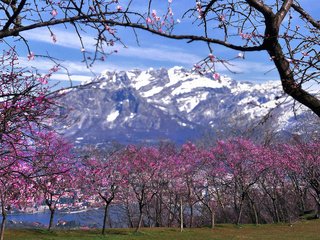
287 79
158 210
3 223
240 209
191 215
105 218
52 210
254 214
140 217
275 209
129 217
140 221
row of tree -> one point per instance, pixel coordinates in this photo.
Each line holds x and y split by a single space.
235 181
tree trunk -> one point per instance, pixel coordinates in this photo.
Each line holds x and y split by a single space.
3 223
139 222
287 79
140 217
158 212
240 210
52 210
222 206
105 218
129 215
256 218
212 218
191 215
170 217
181 216
275 209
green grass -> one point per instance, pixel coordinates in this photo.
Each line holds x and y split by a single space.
300 230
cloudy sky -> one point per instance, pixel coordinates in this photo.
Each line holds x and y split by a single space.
152 51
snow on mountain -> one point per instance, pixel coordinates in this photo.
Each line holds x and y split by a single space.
174 104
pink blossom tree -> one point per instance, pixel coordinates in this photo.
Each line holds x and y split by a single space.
189 165
211 189
142 166
275 184
304 169
167 197
24 100
24 110
244 165
16 190
103 177
53 170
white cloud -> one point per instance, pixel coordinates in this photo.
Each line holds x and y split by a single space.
64 38
71 40
74 77
157 54
43 65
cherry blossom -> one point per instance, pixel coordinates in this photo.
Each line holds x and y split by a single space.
54 13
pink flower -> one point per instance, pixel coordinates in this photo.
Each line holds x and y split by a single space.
216 76
149 21
54 37
110 30
43 80
30 56
154 13
211 57
55 69
196 66
40 99
222 18
54 13
119 8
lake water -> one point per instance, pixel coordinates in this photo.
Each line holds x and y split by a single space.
91 218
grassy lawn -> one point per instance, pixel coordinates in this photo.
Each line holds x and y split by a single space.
301 230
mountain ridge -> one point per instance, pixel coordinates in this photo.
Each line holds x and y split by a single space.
169 104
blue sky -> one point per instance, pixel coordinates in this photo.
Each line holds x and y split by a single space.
154 51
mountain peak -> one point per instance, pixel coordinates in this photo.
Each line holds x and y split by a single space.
173 104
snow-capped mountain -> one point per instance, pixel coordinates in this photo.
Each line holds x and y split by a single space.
175 104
